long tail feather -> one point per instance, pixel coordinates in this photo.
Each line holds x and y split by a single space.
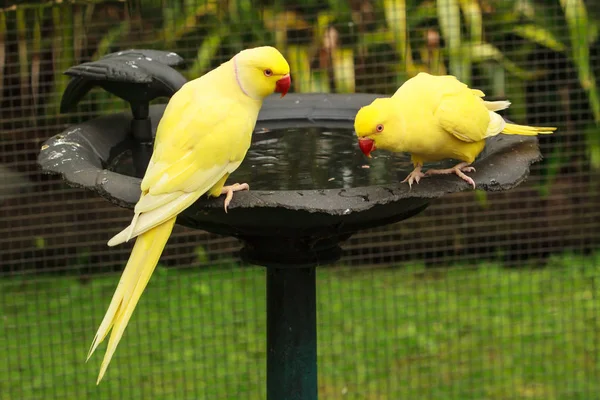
144 257
514 129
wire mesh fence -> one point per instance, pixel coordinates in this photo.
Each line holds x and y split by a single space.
483 295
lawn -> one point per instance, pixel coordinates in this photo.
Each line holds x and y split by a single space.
481 332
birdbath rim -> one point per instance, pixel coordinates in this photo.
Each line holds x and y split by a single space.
300 111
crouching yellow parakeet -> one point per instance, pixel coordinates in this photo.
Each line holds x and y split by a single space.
435 118
202 137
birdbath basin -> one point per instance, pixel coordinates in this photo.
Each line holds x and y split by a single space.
311 189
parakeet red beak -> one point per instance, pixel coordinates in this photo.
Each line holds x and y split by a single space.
283 85
366 146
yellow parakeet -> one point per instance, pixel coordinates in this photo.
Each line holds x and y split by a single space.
202 137
435 118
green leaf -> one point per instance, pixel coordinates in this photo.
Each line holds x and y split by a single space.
395 16
554 162
169 16
496 76
2 51
375 38
449 20
78 32
518 100
340 8
539 35
62 53
472 13
179 22
343 70
324 20
21 25
480 52
108 41
280 22
426 10
36 56
299 61
206 53
450 24
319 82
579 29
592 133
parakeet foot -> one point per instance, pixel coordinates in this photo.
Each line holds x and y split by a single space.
414 176
458 169
228 191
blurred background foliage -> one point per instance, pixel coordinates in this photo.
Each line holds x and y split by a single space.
514 48
541 54
470 329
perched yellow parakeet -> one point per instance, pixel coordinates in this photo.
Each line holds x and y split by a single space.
202 137
435 118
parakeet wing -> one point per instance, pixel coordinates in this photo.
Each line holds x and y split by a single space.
200 140
198 144
458 109
463 115
470 119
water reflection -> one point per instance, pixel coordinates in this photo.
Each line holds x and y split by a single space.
301 159
315 158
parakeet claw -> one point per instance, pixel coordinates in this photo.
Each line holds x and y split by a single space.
458 169
414 176
228 191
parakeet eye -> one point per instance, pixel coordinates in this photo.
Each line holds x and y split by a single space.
268 72
379 128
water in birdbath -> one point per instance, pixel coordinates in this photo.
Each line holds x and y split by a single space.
305 159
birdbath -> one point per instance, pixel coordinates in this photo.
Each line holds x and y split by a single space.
311 189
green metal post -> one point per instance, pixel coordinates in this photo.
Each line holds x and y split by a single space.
291 334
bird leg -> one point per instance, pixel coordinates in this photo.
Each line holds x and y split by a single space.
415 175
228 190
458 169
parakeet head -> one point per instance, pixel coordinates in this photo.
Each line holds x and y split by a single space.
373 124
262 71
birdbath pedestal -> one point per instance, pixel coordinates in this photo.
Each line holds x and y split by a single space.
310 191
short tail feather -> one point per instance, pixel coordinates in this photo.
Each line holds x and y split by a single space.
144 257
497 105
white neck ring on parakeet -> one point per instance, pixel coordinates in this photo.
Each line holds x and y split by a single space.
237 78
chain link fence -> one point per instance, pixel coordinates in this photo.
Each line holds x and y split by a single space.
482 296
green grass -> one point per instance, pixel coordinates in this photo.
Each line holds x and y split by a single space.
405 333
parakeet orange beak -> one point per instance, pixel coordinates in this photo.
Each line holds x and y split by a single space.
283 85
366 146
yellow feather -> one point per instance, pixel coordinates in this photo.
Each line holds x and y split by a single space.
514 129
203 136
496 125
435 118
144 257
497 105
143 222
